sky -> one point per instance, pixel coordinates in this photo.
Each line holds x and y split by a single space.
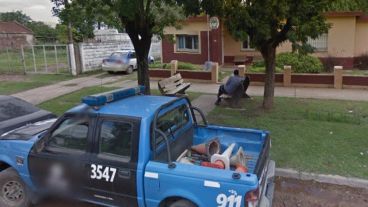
38 10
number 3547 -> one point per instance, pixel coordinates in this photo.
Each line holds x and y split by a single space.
99 172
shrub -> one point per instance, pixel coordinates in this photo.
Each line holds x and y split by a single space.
362 62
259 63
299 63
188 66
181 66
329 63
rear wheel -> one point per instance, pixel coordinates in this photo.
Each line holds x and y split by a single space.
182 203
129 70
13 191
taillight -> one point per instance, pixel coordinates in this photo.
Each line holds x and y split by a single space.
119 62
103 61
252 198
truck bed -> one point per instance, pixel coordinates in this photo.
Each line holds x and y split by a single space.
255 143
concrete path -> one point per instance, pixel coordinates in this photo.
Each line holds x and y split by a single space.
205 103
317 93
41 94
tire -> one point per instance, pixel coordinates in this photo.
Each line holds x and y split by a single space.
129 70
13 191
182 203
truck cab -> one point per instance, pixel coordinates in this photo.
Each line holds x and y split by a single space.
122 148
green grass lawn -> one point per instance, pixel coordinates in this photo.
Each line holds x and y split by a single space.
61 104
11 60
25 82
321 136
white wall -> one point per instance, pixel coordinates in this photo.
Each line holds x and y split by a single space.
92 54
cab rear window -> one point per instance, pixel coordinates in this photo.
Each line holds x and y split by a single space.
172 121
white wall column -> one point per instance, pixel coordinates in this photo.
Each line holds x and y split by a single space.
73 65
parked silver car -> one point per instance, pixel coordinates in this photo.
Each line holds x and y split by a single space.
122 60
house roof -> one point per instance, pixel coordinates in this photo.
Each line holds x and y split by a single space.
14 28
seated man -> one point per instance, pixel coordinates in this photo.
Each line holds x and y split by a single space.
232 84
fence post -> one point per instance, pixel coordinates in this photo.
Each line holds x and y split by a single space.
71 55
174 67
44 57
338 73
242 70
7 54
214 72
56 59
34 59
82 60
23 59
287 76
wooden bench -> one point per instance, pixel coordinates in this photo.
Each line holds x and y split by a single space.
173 85
233 99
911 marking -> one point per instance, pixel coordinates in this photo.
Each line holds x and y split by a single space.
99 173
233 200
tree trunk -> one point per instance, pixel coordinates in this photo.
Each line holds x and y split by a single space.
269 55
141 40
142 52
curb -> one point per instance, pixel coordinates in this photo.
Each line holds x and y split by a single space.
321 178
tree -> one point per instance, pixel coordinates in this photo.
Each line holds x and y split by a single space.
40 29
15 16
349 5
269 23
141 19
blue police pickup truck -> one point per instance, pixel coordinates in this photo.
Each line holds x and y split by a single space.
123 148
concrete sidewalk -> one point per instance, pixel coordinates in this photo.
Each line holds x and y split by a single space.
41 94
317 93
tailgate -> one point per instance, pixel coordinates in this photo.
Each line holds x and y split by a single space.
263 158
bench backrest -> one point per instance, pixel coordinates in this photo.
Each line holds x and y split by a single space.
171 83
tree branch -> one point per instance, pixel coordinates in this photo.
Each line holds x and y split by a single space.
148 6
282 35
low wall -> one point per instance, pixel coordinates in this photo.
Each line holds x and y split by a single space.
355 81
260 77
288 79
313 80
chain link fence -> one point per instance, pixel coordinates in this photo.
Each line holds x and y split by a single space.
35 59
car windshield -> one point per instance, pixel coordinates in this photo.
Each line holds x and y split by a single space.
118 54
